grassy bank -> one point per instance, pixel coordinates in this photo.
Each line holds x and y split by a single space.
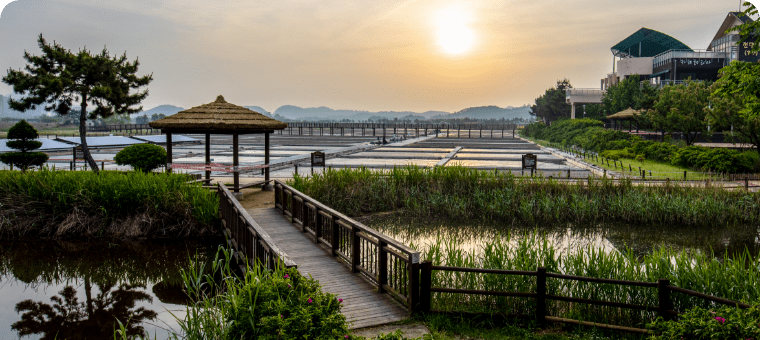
50 203
459 193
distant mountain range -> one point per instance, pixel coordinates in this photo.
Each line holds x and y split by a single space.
291 112
490 112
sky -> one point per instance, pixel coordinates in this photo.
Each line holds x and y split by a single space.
409 55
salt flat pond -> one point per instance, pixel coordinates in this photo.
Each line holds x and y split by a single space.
78 289
608 237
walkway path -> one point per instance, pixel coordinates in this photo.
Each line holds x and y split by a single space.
363 306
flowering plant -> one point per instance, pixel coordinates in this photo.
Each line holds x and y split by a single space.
699 323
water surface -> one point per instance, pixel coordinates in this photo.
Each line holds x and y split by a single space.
77 289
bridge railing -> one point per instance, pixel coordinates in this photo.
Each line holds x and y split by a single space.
390 265
251 243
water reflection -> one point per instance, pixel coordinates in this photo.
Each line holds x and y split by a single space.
79 289
67 318
641 239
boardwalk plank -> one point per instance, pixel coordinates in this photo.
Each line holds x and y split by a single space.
363 306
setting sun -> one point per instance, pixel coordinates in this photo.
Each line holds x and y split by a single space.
454 36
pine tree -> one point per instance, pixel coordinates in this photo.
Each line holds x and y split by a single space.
59 78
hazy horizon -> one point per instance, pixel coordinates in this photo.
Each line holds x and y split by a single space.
412 55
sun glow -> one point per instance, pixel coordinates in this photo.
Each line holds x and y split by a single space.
454 36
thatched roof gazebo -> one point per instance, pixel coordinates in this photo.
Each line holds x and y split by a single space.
219 117
628 114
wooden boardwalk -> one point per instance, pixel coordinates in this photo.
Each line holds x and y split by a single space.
363 306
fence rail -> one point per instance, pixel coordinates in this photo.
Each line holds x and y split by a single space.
664 290
251 243
390 265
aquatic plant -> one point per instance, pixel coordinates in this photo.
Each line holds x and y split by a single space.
460 193
115 204
734 278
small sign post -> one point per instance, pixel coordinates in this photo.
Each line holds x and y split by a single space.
529 161
317 159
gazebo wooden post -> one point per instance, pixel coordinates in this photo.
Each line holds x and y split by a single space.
169 152
267 186
208 156
235 163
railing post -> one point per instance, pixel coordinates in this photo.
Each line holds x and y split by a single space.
277 190
382 266
305 218
334 235
355 250
413 297
426 279
663 295
317 225
292 205
541 296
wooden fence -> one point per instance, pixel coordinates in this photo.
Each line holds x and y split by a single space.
387 263
396 268
250 242
664 291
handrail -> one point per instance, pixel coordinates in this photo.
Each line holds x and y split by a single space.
250 241
390 265
414 255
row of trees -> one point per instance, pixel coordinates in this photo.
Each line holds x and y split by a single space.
731 104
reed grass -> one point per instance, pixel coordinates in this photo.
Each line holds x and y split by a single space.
53 203
734 278
459 193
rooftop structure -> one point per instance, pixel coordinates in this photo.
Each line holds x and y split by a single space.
220 117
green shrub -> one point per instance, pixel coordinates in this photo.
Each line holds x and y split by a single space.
618 154
700 323
142 157
260 304
22 138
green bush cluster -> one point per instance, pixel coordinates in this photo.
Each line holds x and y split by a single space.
590 135
259 304
142 157
702 323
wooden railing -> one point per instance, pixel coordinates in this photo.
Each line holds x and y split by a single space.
396 269
387 263
664 290
251 243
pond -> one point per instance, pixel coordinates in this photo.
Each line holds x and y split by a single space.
567 238
75 290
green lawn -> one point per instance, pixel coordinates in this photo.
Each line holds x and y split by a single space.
654 169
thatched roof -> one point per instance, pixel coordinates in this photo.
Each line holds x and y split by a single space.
220 116
628 113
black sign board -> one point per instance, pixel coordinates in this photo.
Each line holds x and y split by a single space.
317 159
529 161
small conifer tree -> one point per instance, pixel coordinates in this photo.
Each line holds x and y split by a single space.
22 138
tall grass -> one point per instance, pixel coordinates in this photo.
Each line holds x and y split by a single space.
459 193
132 204
735 278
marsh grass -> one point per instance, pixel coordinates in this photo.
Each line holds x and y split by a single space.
458 193
733 277
81 203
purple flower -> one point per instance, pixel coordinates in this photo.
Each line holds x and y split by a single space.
346 336
721 320
340 300
288 286
287 276
281 316
309 300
